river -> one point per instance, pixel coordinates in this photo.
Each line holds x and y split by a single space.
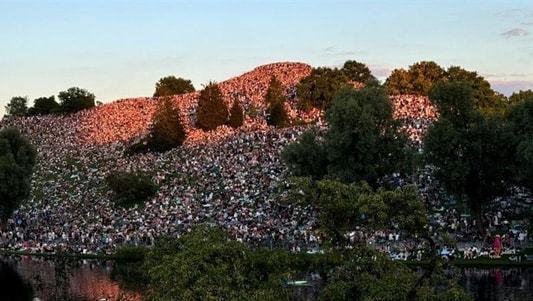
93 280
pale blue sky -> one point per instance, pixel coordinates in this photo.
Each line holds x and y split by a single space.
121 48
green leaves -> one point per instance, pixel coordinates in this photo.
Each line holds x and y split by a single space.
170 85
212 111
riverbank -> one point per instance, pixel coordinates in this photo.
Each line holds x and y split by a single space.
124 254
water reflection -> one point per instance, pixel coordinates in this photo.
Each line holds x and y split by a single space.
72 280
12 286
499 284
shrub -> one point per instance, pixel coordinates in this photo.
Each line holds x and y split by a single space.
130 188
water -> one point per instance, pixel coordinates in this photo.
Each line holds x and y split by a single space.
88 280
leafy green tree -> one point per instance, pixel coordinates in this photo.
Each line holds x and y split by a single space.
520 96
212 110
130 188
318 89
75 99
236 115
17 106
362 273
17 158
170 85
167 130
486 100
358 72
307 155
277 114
206 265
418 80
520 121
363 141
44 106
472 152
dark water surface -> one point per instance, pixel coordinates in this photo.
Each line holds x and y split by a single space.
88 280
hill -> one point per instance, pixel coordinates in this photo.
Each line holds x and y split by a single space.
226 177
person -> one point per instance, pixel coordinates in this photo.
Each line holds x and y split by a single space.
497 246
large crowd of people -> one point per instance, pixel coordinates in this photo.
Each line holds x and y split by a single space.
228 177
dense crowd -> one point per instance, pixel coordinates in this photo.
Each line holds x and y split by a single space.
228 177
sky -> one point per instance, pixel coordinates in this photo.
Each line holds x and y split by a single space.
120 48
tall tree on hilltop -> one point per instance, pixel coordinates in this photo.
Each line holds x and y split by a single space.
418 80
520 96
236 115
472 153
486 100
17 106
167 129
212 110
277 113
17 158
44 106
170 85
358 72
318 89
75 99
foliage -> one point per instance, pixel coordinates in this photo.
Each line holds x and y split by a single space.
131 253
44 106
170 85
17 106
17 159
205 265
130 188
362 273
358 72
363 141
318 88
236 115
471 152
167 130
277 113
417 80
75 99
520 96
307 155
520 121
212 111
486 100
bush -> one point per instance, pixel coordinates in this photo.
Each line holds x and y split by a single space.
130 188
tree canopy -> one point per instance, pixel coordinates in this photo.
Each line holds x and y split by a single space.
236 115
358 72
75 99
212 110
206 265
417 80
363 141
520 121
170 85
520 96
318 88
44 106
17 158
17 106
167 130
472 152
277 113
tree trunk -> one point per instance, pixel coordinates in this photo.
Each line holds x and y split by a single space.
430 270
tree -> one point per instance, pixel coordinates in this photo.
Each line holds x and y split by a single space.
520 119
44 106
418 80
318 89
520 96
363 273
130 188
472 153
212 111
17 106
307 155
363 141
236 115
277 114
17 158
206 265
486 100
358 72
167 129
170 85
75 99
